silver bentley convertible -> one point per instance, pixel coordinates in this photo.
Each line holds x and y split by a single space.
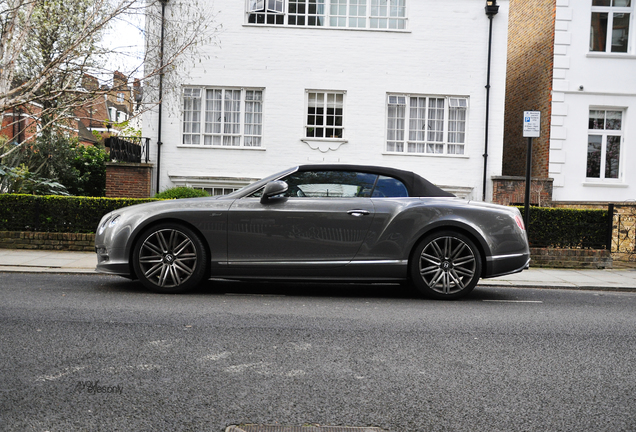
318 223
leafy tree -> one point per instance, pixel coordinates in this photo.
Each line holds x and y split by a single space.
52 165
19 180
46 157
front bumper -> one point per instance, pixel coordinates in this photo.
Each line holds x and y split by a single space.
107 263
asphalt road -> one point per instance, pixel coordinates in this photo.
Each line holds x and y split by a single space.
99 353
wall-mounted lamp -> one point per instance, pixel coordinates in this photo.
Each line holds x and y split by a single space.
492 8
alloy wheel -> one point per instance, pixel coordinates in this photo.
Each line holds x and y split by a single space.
167 258
447 265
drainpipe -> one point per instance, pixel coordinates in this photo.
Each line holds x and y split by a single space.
491 10
159 143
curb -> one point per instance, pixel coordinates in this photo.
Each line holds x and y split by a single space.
557 286
25 268
39 269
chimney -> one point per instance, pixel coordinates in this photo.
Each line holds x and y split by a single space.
90 82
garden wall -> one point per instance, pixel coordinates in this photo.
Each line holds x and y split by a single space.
571 258
47 241
128 180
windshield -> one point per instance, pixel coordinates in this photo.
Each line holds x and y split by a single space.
247 190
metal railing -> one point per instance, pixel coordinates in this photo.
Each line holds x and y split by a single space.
128 149
623 231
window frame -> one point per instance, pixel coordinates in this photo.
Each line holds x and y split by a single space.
203 128
430 135
611 11
325 115
604 133
394 21
112 114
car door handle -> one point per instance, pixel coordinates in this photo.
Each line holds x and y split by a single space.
358 213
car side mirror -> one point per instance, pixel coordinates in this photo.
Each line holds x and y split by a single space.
273 189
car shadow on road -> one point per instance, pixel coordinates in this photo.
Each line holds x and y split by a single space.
313 289
308 289
354 290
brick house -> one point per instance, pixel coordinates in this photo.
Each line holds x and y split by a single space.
115 105
20 123
399 83
575 61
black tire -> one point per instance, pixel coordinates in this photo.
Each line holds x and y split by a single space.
169 258
445 265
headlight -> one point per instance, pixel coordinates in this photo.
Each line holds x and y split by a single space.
114 221
102 226
108 222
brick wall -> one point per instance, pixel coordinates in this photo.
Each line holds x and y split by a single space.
528 83
570 258
47 241
511 190
128 180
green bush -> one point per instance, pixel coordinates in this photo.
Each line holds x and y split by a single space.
567 228
53 165
57 213
88 174
181 192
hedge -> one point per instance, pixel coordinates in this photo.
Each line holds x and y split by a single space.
182 192
567 228
53 213
549 227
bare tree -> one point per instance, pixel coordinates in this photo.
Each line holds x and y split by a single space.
47 47
188 24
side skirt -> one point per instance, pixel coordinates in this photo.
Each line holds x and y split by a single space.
314 270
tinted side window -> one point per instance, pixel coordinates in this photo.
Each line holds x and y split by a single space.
330 184
390 188
340 184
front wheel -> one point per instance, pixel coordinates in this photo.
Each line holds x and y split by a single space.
169 258
445 265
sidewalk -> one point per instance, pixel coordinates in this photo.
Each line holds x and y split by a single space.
43 261
46 261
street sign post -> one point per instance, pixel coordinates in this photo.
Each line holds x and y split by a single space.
531 129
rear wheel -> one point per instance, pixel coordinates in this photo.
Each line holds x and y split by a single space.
445 265
169 258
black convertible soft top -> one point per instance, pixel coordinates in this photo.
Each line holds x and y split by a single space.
416 185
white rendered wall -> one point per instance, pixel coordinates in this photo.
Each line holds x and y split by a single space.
584 80
443 52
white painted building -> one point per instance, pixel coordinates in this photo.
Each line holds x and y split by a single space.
399 83
593 135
